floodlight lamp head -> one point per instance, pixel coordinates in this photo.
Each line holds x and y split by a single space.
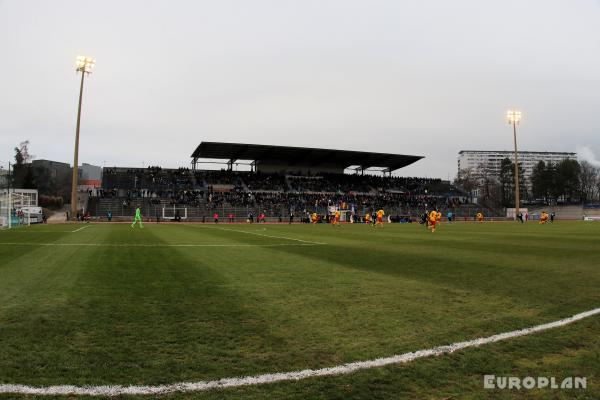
513 117
85 64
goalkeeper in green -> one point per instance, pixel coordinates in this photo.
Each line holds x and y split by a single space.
138 218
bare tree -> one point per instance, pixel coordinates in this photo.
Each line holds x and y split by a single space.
589 180
466 181
23 150
489 184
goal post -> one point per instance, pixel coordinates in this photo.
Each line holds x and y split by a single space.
174 213
11 215
345 215
4 211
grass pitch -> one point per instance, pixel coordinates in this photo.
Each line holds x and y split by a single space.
108 304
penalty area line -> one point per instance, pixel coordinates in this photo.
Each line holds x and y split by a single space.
264 235
80 229
118 390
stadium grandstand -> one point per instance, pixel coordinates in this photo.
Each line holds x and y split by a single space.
281 181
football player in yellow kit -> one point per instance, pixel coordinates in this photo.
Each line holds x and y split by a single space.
480 217
336 218
380 214
432 219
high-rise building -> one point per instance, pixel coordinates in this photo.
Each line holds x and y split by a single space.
491 160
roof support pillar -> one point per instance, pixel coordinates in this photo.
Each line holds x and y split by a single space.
230 164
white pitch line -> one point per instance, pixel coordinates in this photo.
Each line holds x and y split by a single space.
37 231
269 236
80 229
119 390
158 244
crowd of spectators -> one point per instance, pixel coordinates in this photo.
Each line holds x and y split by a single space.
214 189
305 201
156 179
336 183
264 182
218 177
151 179
331 183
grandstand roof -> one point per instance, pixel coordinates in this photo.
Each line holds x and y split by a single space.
302 155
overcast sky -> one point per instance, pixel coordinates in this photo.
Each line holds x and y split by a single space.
428 77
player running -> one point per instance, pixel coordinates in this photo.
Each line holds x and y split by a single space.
543 218
336 218
380 214
480 217
314 218
137 218
432 220
367 218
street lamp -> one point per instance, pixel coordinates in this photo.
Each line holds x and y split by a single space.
514 117
85 65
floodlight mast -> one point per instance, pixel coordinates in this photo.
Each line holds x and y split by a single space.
85 65
514 117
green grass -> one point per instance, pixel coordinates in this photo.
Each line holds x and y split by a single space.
93 315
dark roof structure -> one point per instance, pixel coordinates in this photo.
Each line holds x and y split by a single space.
301 156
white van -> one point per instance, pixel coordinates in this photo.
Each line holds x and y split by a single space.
33 214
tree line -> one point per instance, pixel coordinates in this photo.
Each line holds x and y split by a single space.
568 181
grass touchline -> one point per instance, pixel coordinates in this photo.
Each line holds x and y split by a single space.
118 390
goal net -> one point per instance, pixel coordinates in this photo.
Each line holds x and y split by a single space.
345 215
11 213
174 213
